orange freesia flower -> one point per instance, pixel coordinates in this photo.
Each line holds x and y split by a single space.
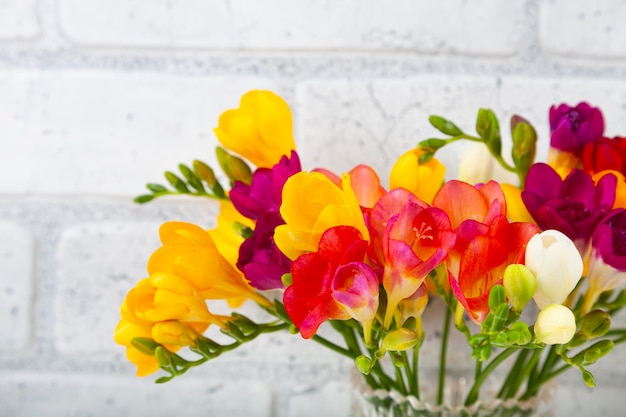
189 252
312 204
463 201
423 180
260 130
365 183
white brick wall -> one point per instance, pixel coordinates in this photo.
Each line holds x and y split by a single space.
99 97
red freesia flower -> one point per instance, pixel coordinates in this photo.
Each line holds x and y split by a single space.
415 241
604 154
484 251
337 268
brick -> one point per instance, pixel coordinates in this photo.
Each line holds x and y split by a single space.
19 20
345 123
16 286
454 26
100 395
107 133
580 29
97 264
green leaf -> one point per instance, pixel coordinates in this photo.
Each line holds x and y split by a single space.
445 126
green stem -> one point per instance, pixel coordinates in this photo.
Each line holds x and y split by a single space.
330 345
443 356
473 394
505 391
416 372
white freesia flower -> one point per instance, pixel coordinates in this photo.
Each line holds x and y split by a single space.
555 325
556 263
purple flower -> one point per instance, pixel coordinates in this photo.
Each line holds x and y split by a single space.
574 206
572 127
260 260
607 261
265 193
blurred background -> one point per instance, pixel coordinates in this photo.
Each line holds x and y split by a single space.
99 97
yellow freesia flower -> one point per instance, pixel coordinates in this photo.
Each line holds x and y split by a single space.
225 237
165 296
423 180
189 252
516 211
312 204
260 130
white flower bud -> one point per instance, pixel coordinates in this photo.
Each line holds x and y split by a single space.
555 325
556 263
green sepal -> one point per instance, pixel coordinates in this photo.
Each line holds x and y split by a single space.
445 126
286 279
145 345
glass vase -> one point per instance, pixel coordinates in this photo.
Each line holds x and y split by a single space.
367 402
459 377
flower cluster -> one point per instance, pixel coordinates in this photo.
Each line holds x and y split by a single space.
344 248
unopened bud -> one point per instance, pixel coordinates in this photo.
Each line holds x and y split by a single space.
555 324
174 333
519 285
399 340
596 323
234 167
524 143
363 364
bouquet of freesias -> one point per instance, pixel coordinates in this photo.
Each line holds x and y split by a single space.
344 249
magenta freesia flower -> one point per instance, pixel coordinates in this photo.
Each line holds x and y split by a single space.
573 206
260 260
265 193
607 262
572 127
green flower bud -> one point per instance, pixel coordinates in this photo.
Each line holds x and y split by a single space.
519 285
363 364
596 323
234 167
488 129
524 143
401 339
